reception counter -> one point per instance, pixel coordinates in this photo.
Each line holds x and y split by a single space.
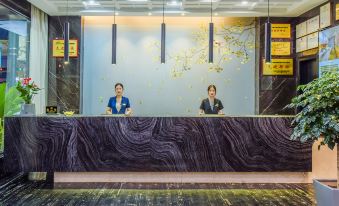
153 144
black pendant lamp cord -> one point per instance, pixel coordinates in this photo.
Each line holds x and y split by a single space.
211 11
66 18
268 11
67 11
163 11
114 13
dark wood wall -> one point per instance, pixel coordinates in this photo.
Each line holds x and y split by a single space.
275 92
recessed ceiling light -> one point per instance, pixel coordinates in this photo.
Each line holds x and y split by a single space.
149 14
216 14
183 14
91 3
171 12
244 3
96 11
209 1
138 0
174 3
116 13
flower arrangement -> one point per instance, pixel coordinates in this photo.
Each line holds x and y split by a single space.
27 90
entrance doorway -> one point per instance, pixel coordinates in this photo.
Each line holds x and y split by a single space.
308 70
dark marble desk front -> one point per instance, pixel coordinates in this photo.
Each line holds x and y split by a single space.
153 144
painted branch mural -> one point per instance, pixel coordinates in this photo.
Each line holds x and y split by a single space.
230 41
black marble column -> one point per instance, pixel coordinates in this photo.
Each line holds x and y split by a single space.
275 92
64 79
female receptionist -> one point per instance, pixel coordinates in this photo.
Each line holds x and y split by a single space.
119 104
211 105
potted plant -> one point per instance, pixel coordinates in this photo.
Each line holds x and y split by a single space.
27 91
319 120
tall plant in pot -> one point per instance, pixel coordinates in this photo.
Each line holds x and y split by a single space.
319 120
27 91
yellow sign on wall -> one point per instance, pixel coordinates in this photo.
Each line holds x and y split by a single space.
281 31
58 48
337 11
281 48
278 67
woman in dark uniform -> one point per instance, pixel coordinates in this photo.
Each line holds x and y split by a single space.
119 104
211 105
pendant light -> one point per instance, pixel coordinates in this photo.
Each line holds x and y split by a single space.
268 26
114 41
66 38
163 34
210 43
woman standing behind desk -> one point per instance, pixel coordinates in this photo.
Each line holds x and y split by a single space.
211 105
119 104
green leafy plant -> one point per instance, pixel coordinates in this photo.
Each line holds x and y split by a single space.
2 108
10 103
27 90
319 115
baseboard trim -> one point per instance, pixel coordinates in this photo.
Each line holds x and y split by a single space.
182 177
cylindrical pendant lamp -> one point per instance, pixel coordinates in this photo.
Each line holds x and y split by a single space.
114 44
66 42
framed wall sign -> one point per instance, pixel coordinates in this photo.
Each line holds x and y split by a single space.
58 48
312 40
301 29
325 16
301 44
312 24
281 48
281 31
278 67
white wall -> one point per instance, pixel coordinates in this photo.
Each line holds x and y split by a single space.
150 86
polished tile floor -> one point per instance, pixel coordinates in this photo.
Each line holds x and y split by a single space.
18 191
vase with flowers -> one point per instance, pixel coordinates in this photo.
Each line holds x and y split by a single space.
27 90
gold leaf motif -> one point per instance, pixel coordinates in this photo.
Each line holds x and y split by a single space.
236 40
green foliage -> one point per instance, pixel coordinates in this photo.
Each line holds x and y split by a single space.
319 116
2 107
10 103
2 98
13 102
27 90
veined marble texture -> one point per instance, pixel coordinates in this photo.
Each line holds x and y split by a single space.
153 144
275 94
64 79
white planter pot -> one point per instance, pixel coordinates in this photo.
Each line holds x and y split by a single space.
326 195
27 109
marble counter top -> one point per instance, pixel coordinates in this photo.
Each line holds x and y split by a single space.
153 144
192 116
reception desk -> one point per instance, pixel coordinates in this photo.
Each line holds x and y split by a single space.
153 144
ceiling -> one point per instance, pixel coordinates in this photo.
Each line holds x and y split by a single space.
288 8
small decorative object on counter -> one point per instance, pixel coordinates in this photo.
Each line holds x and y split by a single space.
68 113
27 91
51 110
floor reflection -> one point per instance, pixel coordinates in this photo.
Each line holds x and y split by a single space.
19 191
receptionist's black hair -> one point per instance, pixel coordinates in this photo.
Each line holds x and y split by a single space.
212 86
119 84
